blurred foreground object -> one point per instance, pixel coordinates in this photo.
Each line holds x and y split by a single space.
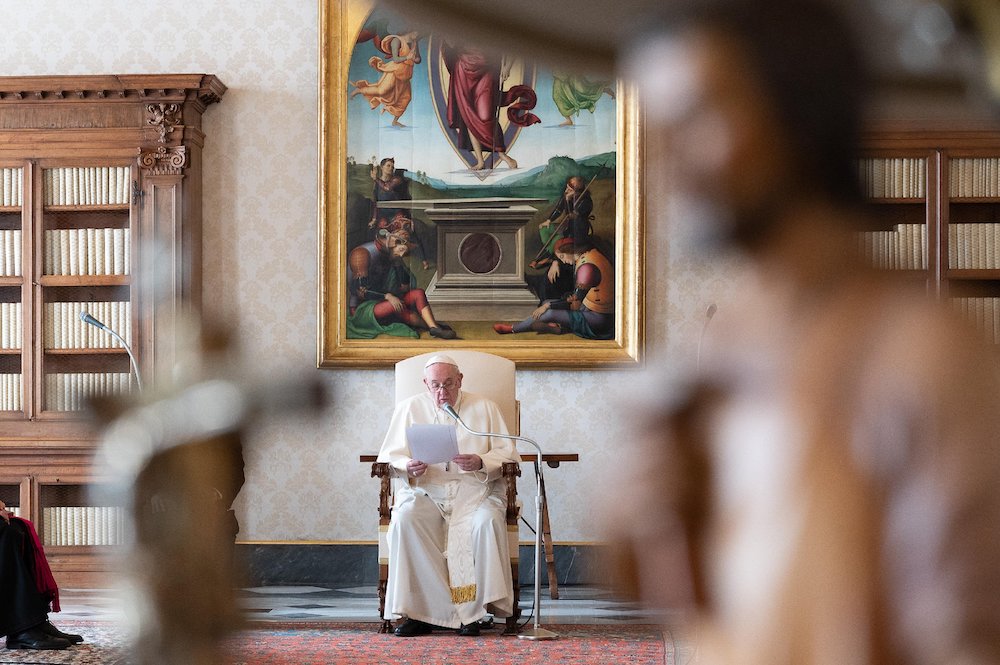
915 43
177 460
824 488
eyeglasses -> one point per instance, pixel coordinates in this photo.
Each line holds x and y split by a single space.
447 385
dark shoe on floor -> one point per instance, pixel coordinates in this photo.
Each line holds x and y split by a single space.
469 629
443 332
412 628
52 631
35 638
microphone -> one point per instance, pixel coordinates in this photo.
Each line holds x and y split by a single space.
536 633
88 319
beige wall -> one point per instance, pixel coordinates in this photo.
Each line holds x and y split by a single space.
303 478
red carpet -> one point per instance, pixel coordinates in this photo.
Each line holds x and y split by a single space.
325 643
361 644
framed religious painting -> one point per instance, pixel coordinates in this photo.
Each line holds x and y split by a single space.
472 199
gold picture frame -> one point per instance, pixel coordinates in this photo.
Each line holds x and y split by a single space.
343 25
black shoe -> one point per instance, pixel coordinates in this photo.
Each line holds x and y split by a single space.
35 638
52 631
443 333
469 629
412 628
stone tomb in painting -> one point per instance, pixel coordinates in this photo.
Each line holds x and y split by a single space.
480 257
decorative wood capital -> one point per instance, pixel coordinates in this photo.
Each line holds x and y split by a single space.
165 117
163 160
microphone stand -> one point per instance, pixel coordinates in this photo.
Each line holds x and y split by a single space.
536 633
87 318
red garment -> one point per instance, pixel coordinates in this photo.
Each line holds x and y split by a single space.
44 580
475 99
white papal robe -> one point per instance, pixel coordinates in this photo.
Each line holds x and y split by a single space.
449 562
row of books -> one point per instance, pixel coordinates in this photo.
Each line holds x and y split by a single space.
65 330
10 325
10 186
10 258
68 392
87 185
974 246
974 177
901 249
87 252
893 177
10 392
984 313
83 525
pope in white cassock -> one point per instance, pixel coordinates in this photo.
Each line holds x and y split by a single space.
449 564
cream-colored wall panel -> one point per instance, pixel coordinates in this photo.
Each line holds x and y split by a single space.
260 207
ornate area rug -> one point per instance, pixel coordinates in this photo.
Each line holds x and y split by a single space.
326 643
104 644
361 644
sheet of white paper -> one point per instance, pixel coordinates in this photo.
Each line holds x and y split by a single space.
432 444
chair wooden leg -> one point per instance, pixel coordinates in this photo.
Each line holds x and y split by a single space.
511 623
550 556
383 581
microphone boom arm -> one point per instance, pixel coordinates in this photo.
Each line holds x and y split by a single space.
87 318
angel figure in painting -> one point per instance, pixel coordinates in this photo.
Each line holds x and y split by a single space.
573 94
392 90
475 96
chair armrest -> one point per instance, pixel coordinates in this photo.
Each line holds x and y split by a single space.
383 471
511 471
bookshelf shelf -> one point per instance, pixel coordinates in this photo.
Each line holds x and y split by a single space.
74 172
897 201
122 207
85 352
85 280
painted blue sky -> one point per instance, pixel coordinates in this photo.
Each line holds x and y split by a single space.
422 145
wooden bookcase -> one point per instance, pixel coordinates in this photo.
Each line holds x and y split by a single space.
936 198
100 211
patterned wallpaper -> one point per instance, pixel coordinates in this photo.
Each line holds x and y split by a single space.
303 478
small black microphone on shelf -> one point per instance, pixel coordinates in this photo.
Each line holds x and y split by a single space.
89 320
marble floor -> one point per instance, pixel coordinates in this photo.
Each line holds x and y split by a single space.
577 604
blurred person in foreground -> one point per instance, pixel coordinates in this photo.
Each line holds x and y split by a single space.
825 487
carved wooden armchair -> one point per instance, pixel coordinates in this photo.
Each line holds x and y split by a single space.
484 374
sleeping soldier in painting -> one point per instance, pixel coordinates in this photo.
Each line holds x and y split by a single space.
383 295
589 310
570 218
389 184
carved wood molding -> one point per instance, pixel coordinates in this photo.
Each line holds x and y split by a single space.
165 117
163 160
207 89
